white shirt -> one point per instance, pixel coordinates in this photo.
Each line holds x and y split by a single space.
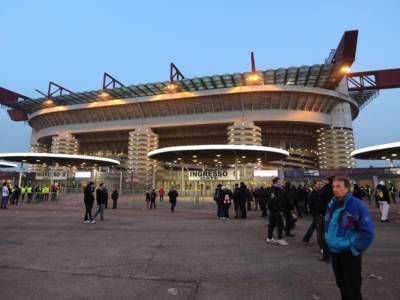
4 191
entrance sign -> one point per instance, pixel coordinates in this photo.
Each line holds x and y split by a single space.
57 175
213 175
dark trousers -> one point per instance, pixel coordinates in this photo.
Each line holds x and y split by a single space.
88 210
256 203
161 198
226 210
153 204
114 203
311 229
289 223
347 269
173 204
236 207
220 210
275 220
263 207
243 211
15 200
30 196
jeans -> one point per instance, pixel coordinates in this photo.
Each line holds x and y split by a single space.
313 226
384 208
100 210
4 201
347 269
153 204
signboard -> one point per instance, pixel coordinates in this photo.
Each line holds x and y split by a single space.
57 175
81 174
265 173
214 175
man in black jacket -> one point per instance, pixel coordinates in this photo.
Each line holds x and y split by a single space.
275 207
236 201
326 195
88 199
101 198
315 204
173 196
262 199
288 198
243 195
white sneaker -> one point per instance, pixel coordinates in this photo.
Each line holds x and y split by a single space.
282 242
86 221
272 241
93 221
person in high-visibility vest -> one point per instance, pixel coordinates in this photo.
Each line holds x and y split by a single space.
45 192
23 192
29 193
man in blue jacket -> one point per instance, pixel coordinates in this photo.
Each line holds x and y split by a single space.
348 233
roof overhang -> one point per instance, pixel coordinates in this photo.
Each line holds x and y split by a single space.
389 151
60 159
218 155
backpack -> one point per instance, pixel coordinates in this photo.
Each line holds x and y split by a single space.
227 199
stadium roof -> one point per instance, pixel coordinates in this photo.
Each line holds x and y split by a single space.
313 76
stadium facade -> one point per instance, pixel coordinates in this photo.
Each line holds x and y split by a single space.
306 110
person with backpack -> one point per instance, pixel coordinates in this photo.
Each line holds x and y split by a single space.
275 207
220 212
225 198
383 199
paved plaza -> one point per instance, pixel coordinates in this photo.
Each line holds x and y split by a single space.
46 252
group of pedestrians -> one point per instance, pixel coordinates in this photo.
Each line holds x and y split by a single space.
101 200
15 195
151 197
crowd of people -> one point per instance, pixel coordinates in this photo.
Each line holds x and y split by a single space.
338 210
15 195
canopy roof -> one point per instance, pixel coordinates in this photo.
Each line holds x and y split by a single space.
61 159
389 151
218 155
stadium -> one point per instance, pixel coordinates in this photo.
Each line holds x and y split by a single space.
307 111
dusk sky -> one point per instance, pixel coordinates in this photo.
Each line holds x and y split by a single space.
73 42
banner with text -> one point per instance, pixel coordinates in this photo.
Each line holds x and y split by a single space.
213 175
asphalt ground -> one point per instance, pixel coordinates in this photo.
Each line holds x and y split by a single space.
46 252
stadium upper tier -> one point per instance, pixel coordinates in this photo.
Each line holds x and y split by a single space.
311 76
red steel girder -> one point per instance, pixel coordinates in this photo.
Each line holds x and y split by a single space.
373 80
